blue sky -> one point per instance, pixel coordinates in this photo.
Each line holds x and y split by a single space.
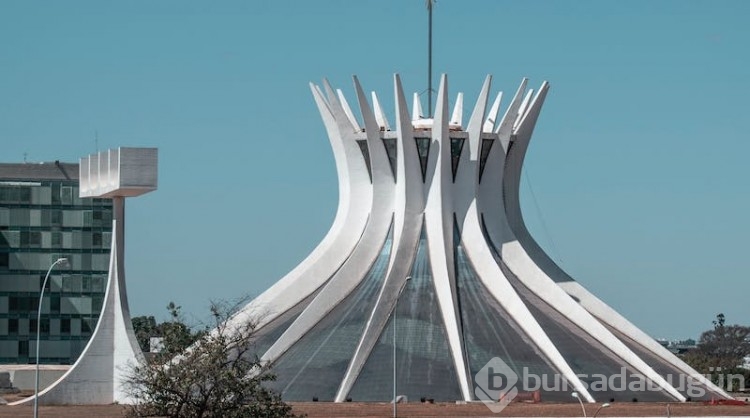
638 164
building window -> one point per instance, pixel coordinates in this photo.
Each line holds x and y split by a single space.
86 327
31 239
17 304
486 147
15 194
23 348
4 260
66 195
55 217
65 326
457 145
12 326
96 304
86 284
56 239
54 304
423 149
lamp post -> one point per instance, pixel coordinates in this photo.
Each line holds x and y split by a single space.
395 313
604 405
575 395
61 260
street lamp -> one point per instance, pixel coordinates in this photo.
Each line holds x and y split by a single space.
575 395
61 261
395 313
604 405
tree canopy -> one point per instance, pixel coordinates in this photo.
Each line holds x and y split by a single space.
720 352
206 372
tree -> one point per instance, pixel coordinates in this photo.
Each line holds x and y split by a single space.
175 330
144 328
721 352
211 372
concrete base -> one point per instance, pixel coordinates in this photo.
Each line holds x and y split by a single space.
23 375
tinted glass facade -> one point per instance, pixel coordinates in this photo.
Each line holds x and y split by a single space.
316 364
425 366
42 219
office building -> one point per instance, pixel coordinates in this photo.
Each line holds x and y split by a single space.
42 218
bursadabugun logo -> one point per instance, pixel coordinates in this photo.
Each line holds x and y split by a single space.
496 385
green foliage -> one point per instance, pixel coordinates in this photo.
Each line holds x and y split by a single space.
721 352
144 328
204 373
175 333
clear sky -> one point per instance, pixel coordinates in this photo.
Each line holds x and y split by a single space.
638 164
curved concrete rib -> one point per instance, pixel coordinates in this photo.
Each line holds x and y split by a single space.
491 202
348 110
606 314
458 110
97 376
416 110
439 225
533 277
483 261
489 124
494 279
408 217
366 251
382 121
355 197
485 209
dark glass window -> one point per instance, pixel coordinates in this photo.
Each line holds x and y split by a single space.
31 239
55 217
4 259
13 326
23 348
392 151
56 194
366 155
56 239
15 194
87 326
14 304
423 149
32 326
486 147
66 195
96 240
65 326
457 145
96 304
54 304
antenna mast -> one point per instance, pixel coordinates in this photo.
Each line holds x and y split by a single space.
430 3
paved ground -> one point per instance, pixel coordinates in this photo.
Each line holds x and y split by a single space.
323 409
